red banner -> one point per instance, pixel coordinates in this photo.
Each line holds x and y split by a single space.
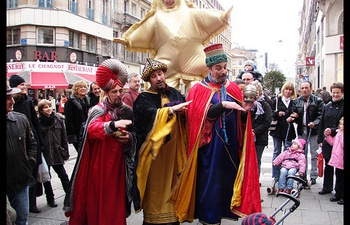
310 61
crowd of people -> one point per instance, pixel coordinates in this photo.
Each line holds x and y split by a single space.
176 158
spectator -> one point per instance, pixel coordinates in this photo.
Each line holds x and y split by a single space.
261 119
285 131
100 186
94 94
24 105
248 77
63 101
249 66
292 161
211 186
56 149
160 125
325 95
241 84
53 102
20 158
134 89
330 118
337 160
307 117
76 112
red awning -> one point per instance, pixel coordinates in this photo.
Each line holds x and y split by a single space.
46 80
88 77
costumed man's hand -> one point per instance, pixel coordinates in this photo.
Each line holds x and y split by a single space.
182 107
232 105
248 105
121 41
121 134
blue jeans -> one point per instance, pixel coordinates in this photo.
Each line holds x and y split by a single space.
20 202
313 153
277 146
283 178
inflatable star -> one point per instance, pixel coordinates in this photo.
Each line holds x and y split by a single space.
175 33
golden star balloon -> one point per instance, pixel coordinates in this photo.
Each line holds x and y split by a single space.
175 32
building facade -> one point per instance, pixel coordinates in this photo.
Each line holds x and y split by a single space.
78 33
321 56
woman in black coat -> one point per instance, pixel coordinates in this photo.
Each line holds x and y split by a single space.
284 132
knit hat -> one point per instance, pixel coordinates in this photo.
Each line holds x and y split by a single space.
11 91
151 66
258 219
214 54
300 142
15 80
249 63
110 73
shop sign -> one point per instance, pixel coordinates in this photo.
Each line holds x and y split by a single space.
310 61
38 55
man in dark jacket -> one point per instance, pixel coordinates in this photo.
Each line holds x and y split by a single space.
24 105
20 158
331 115
307 115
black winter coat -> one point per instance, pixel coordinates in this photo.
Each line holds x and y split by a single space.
24 105
55 149
75 112
261 123
21 151
282 124
330 117
314 112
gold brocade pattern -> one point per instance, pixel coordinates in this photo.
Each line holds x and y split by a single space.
159 165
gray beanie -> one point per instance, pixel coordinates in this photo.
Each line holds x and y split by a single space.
250 63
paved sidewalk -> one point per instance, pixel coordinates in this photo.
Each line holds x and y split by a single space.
314 209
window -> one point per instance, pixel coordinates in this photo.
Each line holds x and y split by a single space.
13 36
45 3
143 13
74 39
12 4
90 10
133 9
104 47
90 43
73 6
45 35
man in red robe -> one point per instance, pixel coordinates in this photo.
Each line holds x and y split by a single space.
101 182
220 178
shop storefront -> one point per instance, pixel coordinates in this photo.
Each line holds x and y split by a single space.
45 78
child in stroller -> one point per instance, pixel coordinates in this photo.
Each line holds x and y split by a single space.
292 160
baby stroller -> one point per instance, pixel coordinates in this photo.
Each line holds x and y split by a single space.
273 189
263 219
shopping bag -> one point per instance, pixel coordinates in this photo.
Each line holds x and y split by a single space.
320 162
43 171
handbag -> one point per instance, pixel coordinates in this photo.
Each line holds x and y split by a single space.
43 171
274 122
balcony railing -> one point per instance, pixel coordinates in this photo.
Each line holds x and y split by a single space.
125 19
90 14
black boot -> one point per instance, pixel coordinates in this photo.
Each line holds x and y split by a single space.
50 197
32 200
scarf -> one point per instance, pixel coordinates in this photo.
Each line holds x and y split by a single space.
115 110
47 120
222 97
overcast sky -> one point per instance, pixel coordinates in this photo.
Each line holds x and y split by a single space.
268 26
